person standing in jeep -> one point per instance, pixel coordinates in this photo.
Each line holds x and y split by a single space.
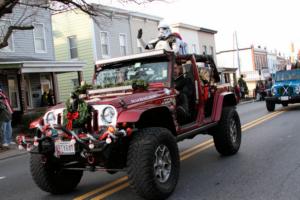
185 90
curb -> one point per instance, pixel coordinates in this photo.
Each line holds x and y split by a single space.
10 154
246 102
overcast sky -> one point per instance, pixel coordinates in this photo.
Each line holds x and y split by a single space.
270 23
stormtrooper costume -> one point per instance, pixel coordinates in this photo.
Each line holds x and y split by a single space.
166 40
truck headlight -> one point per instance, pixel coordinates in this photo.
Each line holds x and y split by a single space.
50 118
297 89
108 114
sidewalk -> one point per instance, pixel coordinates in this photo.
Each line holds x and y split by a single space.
13 151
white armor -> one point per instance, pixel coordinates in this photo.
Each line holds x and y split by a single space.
166 40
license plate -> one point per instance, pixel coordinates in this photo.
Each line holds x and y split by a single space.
284 98
64 148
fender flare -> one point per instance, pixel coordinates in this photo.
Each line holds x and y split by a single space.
134 115
220 101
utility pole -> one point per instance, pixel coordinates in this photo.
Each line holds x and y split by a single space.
237 52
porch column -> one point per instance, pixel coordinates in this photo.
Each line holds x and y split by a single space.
22 92
80 76
55 87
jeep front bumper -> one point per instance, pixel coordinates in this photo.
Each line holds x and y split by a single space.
284 99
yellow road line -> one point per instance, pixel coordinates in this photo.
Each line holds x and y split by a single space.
110 192
261 118
261 121
196 151
196 147
183 156
105 187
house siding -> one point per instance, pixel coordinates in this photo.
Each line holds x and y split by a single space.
87 31
23 40
68 24
114 26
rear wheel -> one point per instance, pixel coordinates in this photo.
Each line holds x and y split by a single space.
270 106
227 138
51 178
153 163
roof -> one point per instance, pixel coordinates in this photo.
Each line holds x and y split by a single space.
33 65
233 50
115 10
191 27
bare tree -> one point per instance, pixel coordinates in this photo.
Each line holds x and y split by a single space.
31 9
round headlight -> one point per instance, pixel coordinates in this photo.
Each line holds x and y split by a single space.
50 119
273 90
108 114
297 89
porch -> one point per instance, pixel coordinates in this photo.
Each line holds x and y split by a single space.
25 81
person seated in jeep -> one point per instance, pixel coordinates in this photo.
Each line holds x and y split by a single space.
186 95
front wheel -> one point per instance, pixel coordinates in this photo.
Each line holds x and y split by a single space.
153 163
270 106
228 136
52 178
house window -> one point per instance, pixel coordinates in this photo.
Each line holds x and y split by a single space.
194 48
75 82
73 47
39 38
4 25
204 49
104 44
122 40
13 92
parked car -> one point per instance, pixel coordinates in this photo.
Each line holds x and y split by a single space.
133 123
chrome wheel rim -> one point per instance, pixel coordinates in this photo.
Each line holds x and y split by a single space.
162 164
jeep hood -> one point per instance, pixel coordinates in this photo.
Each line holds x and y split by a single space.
131 99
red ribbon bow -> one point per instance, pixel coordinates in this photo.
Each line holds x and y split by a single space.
70 118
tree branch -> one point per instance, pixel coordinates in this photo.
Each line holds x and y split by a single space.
10 30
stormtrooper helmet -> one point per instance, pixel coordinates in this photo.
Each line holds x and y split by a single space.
164 30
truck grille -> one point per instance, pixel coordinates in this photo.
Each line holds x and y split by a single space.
285 90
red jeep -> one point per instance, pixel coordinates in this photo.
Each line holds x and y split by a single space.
143 105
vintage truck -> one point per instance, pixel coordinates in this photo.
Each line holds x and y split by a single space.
133 122
286 89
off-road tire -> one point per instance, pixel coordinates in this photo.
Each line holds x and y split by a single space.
227 137
50 179
270 106
140 163
284 104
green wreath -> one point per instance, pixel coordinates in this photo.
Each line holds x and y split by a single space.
83 110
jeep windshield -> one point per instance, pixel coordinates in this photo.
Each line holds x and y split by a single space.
288 75
150 71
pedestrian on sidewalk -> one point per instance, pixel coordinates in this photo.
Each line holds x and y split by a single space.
6 113
243 87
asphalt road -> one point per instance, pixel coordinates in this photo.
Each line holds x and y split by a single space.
266 167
